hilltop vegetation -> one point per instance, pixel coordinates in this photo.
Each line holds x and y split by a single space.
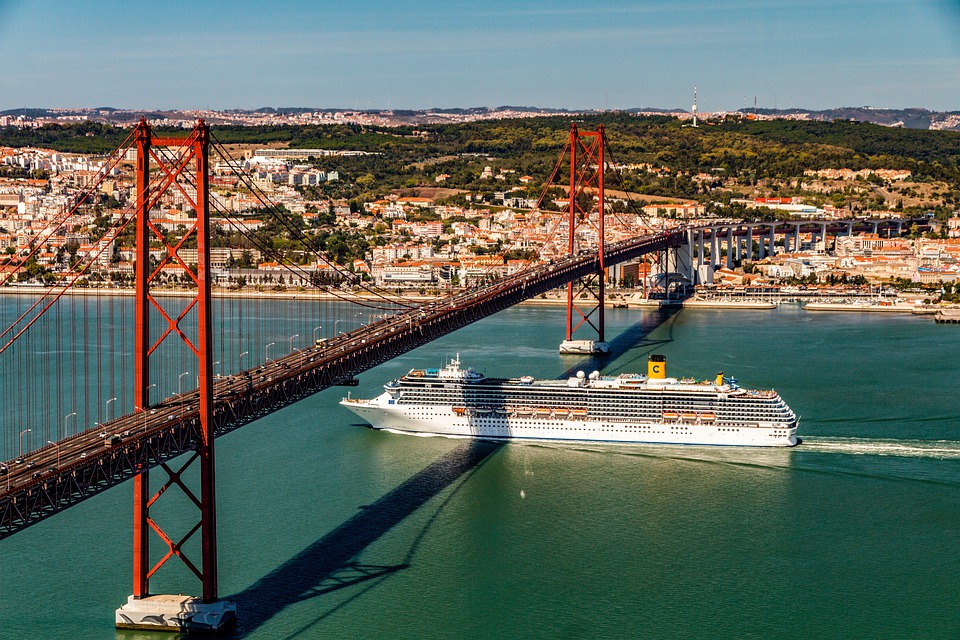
769 154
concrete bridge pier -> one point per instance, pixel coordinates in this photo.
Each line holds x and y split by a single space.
796 237
701 259
684 261
704 265
712 249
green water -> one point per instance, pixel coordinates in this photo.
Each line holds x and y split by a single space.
331 530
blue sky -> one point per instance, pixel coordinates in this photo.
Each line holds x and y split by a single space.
420 54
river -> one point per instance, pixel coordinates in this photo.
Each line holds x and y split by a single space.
330 529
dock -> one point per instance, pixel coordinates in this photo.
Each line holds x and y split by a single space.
948 316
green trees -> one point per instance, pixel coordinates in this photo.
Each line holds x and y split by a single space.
734 154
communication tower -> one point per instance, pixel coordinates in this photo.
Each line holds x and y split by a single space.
694 105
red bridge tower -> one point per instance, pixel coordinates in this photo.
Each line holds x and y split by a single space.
585 297
182 166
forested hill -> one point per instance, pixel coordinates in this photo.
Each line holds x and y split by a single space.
773 148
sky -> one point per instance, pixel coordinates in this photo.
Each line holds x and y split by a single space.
420 54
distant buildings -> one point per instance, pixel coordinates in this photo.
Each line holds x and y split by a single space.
414 243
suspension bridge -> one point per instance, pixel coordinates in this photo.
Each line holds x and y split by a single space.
102 398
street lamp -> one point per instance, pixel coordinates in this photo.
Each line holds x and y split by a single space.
180 391
241 359
215 368
146 406
65 418
266 352
315 329
296 335
353 319
106 409
21 441
153 384
57 445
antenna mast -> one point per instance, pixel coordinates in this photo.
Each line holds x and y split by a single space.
694 105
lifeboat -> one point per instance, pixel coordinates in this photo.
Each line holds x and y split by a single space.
689 416
459 410
708 417
500 411
578 413
524 411
484 411
672 415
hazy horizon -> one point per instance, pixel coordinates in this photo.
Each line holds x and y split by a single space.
610 54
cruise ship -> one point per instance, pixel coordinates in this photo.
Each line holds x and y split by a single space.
627 408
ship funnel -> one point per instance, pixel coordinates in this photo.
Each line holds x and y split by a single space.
720 379
657 366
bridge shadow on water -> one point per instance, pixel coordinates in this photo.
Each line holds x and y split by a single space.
630 338
329 564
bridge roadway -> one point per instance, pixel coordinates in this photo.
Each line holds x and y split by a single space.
55 477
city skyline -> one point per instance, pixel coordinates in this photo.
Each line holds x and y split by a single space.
610 55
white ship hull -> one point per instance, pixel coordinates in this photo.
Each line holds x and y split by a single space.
583 347
444 420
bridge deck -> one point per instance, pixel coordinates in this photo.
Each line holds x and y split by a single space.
56 477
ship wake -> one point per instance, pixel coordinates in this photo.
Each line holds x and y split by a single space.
934 449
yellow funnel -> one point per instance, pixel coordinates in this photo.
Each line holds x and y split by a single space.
720 379
657 367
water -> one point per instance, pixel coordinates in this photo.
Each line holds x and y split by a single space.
328 529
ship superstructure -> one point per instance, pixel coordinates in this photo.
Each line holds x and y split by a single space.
651 408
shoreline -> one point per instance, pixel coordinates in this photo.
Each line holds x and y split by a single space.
615 301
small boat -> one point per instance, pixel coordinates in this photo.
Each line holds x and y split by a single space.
670 414
578 413
459 410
